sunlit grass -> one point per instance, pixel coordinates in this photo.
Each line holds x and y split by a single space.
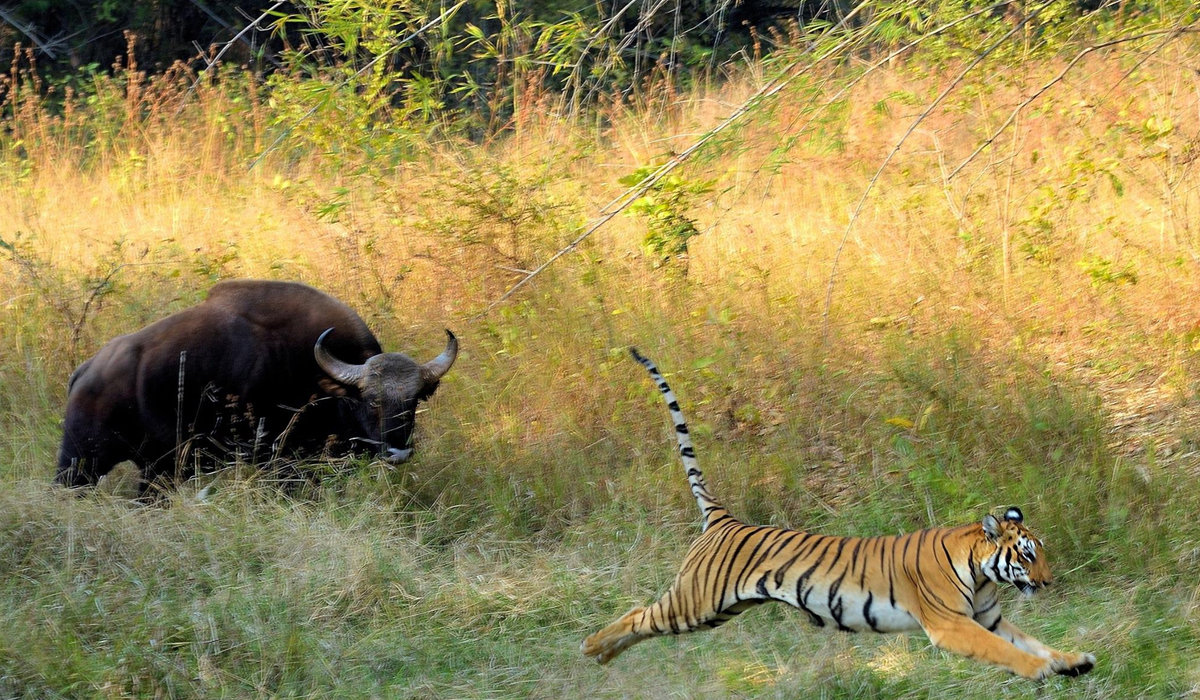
984 348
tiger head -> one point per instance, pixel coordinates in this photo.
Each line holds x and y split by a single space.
1019 558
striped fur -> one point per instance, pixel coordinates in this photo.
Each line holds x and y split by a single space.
944 581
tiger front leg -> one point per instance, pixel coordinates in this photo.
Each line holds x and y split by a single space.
1064 663
966 637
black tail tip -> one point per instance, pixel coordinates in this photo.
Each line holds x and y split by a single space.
636 355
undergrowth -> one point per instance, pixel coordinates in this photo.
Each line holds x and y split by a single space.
1022 332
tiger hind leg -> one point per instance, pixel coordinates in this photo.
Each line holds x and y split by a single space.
666 616
608 643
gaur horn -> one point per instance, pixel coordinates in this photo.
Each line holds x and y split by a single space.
343 372
438 366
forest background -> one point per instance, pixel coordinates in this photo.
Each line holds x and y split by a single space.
903 262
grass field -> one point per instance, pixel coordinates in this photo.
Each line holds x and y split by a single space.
1025 333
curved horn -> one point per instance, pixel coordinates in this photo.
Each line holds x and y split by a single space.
436 368
343 372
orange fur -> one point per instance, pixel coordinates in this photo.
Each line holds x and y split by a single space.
942 580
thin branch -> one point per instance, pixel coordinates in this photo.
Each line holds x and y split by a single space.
392 49
878 173
610 210
576 70
28 30
1174 33
216 59
791 127
240 35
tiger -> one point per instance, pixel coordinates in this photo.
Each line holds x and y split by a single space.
944 581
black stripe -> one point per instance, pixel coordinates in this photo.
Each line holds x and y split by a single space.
736 576
835 602
950 563
748 570
889 570
867 612
719 547
724 569
836 557
854 555
724 516
800 552
672 620
649 612
862 578
801 595
923 588
785 538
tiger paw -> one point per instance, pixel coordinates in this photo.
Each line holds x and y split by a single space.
1074 664
608 643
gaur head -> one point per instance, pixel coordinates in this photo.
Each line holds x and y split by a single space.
1018 558
388 386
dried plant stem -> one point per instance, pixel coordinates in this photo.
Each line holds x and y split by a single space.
216 59
607 212
829 287
1173 33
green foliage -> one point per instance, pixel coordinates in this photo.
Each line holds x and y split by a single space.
1104 272
513 216
546 496
665 208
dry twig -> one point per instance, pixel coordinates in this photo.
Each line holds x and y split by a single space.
610 210
899 144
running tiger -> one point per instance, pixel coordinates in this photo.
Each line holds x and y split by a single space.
942 580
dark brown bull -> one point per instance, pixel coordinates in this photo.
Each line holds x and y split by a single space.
257 368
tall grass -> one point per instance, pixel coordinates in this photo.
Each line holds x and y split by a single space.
1024 333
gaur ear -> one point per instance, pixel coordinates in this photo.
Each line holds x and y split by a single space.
427 390
1013 514
991 527
331 387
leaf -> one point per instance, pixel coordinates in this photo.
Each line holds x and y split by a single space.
926 414
899 421
1117 185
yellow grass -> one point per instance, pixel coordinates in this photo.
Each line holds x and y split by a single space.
1027 331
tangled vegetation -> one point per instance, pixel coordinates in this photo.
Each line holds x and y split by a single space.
944 261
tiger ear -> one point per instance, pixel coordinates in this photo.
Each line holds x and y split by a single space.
1014 514
991 527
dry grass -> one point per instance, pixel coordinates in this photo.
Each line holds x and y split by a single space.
1025 333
